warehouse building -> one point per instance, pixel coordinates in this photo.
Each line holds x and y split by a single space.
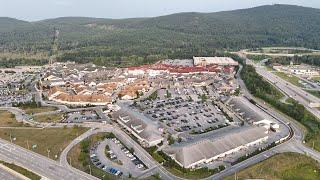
208 150
219 61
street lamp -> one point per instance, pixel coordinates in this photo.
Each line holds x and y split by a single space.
48 150
70 161
90 169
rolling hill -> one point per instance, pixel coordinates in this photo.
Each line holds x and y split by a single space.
179 35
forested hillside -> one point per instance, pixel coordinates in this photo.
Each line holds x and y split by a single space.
183 35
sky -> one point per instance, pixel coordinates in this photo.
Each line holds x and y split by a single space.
33 10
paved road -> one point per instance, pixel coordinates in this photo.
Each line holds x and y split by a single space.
291 90
287 88
54 170
5 175
37 163
315 52
293 145
154 166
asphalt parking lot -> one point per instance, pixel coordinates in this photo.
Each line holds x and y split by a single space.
112 154
9 97
83 116
184 111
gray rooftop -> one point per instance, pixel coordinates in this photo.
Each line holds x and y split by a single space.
208 148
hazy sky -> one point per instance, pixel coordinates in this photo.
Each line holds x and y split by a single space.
41 9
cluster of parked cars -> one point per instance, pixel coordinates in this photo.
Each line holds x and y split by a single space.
95 160
182 115
112 156
130 155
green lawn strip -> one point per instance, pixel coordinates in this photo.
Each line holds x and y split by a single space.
290 78
282 166
315 93
22 171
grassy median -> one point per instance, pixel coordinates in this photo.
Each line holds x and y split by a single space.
282 166
41 140
290 78
315 93
22 171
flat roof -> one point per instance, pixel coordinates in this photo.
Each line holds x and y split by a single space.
215 60
244 106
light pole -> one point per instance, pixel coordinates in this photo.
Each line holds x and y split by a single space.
70 161
28 144
10 137
48 150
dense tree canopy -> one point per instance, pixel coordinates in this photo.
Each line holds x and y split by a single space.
183 35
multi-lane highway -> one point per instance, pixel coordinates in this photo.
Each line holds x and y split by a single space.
291 90
294 144
39 164
286 87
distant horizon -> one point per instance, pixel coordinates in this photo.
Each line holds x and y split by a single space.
37 10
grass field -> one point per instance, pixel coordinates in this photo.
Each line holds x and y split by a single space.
8 120
315 93
314 142
53 139
31 110
22 171
316 78
290 78
49 118
282 166
290 101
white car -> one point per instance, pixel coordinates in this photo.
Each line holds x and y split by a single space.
117 173
130 155
139 166
93 155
